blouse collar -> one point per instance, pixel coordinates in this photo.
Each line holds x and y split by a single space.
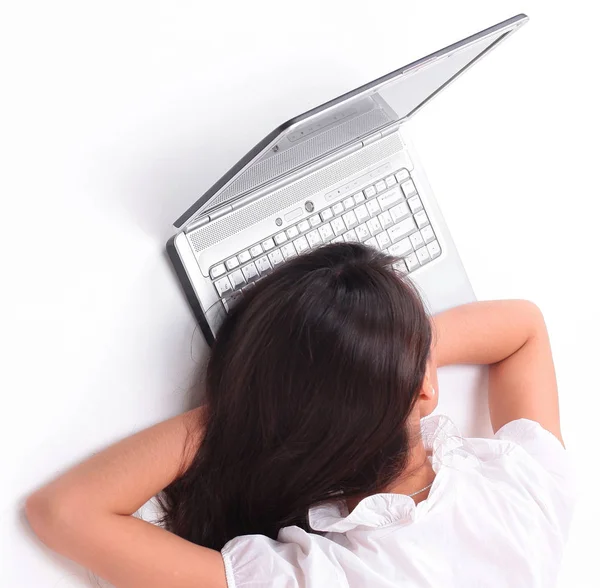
440 437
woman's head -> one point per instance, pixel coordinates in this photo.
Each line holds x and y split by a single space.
313 385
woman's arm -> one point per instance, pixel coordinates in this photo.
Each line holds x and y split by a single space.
511 336
86 513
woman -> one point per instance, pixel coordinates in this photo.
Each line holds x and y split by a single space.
310 464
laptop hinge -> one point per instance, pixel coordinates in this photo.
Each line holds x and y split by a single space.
371 139
220 212
391 129
203 220
215 214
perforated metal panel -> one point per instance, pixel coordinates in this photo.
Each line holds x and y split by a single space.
221 229
278 165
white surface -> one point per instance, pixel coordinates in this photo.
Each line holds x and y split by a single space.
115 116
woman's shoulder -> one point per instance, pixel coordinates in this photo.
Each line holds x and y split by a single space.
525 442
521 454
521 439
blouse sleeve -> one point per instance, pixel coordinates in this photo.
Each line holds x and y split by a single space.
540 463
297 559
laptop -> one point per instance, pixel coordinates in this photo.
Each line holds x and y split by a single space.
340 172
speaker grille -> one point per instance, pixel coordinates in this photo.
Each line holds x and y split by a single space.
277 165
221 229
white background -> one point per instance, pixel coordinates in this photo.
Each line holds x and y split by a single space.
115 116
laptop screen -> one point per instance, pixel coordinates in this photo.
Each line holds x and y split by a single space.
344 121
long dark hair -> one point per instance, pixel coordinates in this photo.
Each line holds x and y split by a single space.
309 386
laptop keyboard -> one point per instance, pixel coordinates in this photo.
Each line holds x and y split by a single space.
387 215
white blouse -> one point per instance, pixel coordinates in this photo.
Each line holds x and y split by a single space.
497 515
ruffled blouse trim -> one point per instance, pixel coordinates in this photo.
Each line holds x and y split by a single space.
448 449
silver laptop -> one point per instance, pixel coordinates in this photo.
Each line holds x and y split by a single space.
339 172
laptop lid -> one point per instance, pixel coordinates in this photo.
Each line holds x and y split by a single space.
383 103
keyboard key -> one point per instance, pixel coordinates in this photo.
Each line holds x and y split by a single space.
338 208
250 272
417 240
314 239
421 219
292 232
434 249
362 214
399 212
423 255
411 262
402 229
400 266
390 198
268 244
348 203
256 250
350 236
358 198
280 238
301 244
427 234
409 188
402 175
372 242
288 251
339 239
232 263
362 232
244 256
350 219
275 257
390 181
380 186
326 215
338 226
374 226
415 204
385 218
401 249
383 240
232 300
223 286
373 207
314 220
217 271
326 232
303 226
369 192
263 265
237 279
